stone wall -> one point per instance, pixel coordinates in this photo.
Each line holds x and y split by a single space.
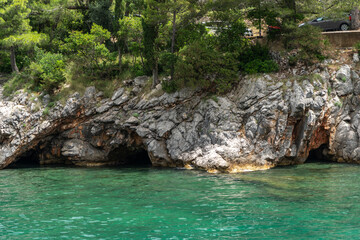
343 39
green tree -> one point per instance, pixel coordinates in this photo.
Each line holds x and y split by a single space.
154 21
100 14
15 29
47 71
89 48
183 13
202 66
131 33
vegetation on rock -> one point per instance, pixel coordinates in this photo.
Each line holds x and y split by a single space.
52 45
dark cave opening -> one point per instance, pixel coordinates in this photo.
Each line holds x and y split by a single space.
130 157
122 156
318 155
28 159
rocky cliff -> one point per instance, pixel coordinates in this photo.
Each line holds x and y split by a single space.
266 121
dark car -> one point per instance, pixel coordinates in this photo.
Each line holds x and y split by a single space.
328 24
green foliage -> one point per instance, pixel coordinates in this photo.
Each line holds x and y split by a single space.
231 37
308 41
23 59
329 90
206 68
167 60
357 47
150 31
5 66
292 60
137 70
27 40
214 98
189 34
56 22
338 104
257 59
258 66
99 13
15 29
170 86
13 18
131 34
46 111
89 48
16 82
104 41
47 71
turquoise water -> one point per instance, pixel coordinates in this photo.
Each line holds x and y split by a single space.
318 201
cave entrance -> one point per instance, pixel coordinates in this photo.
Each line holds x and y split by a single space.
123 156
130 157
27 160
318 155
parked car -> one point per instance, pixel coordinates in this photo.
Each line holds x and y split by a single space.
327 24
214 26
248 33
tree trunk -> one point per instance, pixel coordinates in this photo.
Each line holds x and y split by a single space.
127 8
155 74
13 60
260 18
141 57
355 22
173 36
142 60
120 58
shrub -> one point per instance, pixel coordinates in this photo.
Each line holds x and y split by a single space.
204 67
189 34
16 82
47 71
169 86
253 52
257 59
89 48
292 60
167 61
137 70
46 111
258 66
308 41
357 47
231 37
5 66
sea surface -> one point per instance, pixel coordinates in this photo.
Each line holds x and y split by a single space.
310 201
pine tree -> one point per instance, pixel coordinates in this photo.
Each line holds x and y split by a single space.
15 30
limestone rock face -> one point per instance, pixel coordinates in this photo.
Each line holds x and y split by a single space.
82 151
266 121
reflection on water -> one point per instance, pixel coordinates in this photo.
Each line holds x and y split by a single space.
317 200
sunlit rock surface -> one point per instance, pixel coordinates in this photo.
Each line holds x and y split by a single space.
266 121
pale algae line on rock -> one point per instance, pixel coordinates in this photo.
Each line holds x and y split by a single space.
265 122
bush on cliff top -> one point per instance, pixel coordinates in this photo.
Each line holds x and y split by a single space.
310 44
45 73
256 59
204 67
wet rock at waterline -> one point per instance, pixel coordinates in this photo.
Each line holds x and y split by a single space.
264 122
